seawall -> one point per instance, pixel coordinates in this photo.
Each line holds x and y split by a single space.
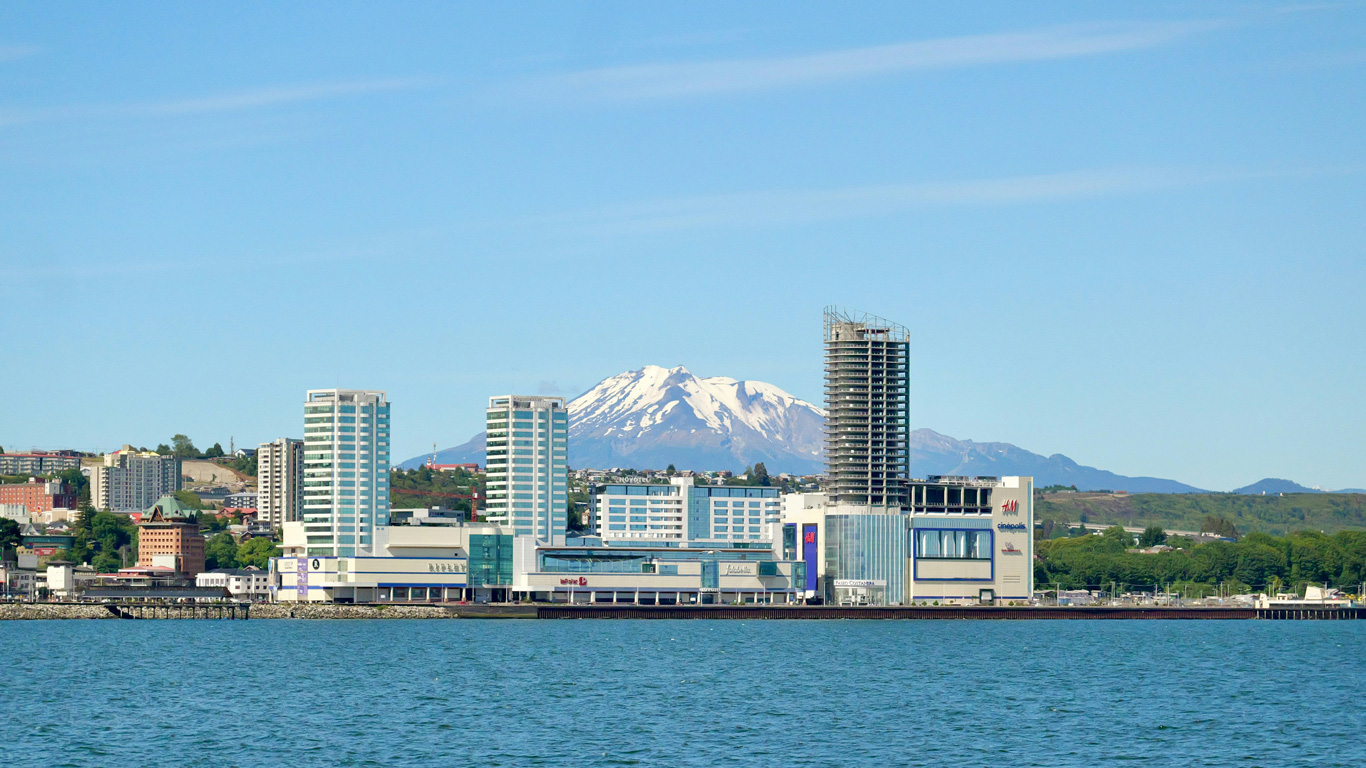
22 611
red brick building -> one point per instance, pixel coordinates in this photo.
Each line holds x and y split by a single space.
169 537
39 496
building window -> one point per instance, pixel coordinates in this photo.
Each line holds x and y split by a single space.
953 544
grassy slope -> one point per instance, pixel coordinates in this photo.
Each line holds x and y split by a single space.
1277 515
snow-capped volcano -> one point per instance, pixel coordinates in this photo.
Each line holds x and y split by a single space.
654 417
658 416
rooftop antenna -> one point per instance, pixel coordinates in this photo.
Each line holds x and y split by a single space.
433 464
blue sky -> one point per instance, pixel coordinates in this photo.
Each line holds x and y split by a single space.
1132 234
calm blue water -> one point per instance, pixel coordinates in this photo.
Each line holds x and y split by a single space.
586 693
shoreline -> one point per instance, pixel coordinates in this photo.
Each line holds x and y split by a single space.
323 611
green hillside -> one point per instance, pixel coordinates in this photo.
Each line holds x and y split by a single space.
1276 515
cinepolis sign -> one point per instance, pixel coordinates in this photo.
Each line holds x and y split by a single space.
1020 527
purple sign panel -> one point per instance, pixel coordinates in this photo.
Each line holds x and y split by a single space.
810 553
301 579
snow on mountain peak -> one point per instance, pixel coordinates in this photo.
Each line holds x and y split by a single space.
672 406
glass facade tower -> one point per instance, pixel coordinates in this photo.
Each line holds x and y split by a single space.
867 401
528 465
346 471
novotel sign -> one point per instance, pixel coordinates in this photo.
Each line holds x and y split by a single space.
1011 527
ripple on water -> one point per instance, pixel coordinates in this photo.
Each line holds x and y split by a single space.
692 693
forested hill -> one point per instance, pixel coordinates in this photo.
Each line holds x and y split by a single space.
1276 515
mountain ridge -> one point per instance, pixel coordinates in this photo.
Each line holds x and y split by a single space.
653 417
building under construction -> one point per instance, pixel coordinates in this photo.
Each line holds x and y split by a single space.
867 401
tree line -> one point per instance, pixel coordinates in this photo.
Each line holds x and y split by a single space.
1256 562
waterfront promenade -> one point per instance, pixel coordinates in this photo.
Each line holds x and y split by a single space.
30 611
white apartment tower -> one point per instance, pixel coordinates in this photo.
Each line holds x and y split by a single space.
528 465
132 481
346 471
280 481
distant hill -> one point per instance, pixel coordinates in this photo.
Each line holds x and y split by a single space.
1274 485
1274 514
934 454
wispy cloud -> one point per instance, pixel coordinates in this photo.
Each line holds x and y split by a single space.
772 207
227 101
12 52
702 78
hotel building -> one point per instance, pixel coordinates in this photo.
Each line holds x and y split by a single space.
169 538
280 481
682 513
346 471
528 465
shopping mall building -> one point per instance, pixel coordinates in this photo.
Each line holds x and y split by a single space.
483 562
960 540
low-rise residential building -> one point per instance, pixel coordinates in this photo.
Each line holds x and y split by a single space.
471 467
241 500
169 537
38 496
241 583
38 462
18 582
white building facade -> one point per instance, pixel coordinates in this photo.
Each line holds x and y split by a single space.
346 471
528 465
280 481
241 583
683 513
132 481
412 564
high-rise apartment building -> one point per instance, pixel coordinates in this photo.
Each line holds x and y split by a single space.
867 401
528 465
280 481
346 471
132 481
